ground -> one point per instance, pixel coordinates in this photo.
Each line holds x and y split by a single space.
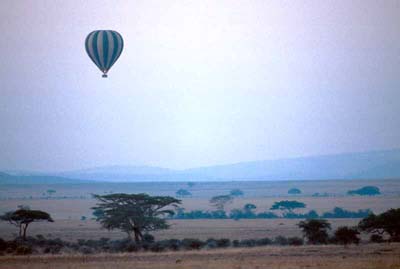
369 256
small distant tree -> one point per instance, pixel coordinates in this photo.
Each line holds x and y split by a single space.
288 206
345 235
294 191
191 184
315 230
50 192
23 217
183 193
236 193
386 222
220 201
134 213
367 190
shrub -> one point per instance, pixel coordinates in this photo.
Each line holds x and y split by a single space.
3 244
211 243
23 250
148 238
236 243
191 243
173 244
158 246
86 250
295 241
223 243
281 240
248 243
376 238
263 241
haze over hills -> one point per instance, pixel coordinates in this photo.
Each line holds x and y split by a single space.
6 178
365 165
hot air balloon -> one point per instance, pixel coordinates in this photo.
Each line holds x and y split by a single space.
104 48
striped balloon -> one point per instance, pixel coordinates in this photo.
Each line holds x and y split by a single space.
104 48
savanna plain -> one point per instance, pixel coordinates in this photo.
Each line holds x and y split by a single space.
70 206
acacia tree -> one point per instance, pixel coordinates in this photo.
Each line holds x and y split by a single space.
315 230
23 217
134 213
181 193
287 205
386 222
236 193
346 235
220 201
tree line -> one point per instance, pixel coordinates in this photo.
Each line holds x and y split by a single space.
139 214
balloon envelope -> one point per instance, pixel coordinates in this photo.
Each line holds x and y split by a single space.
104 48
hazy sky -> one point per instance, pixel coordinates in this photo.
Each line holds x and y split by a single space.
198 82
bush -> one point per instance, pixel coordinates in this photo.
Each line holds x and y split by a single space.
236 243
23 250
295 241
248 243
211 243
3 244
86 250
281 240
173 244
376 238
191 243
263 241
148 238
158 246
345 235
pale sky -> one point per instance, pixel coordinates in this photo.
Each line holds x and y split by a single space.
198 82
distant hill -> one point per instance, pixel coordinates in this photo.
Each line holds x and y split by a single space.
365 165
29 180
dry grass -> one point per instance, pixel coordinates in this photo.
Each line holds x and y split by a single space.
354 257
72 230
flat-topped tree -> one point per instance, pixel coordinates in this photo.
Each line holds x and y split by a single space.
237 193
220 201
294 191
287 205
181 193
134 213
23 217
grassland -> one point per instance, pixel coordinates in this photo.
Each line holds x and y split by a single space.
71 202
371 256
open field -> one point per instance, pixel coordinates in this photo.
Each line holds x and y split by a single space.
71 202
72 230
369 256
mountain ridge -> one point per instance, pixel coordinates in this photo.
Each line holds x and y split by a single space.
383 164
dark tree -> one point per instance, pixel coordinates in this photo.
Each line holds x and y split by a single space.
236 193
315 230
294 191
220 201
23 217
249 207
387 222
367 190
183 193
50 192
345 235
287 205
134 213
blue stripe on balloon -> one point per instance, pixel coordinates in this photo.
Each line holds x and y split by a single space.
96 53
114 55
105 50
